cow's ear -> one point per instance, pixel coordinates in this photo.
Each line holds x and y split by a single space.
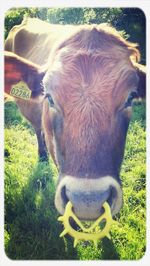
18 69
141 71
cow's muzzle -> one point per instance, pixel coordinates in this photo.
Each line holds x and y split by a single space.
88 195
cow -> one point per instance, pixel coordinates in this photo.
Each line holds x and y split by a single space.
83 80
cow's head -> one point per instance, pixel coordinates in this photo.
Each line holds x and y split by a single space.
89 86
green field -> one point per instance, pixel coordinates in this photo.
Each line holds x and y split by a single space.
31 226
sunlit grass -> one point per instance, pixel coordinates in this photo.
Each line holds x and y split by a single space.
31 226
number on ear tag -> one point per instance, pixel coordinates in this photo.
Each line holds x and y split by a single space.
21 90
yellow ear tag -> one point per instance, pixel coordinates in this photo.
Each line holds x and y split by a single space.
90 233
21 90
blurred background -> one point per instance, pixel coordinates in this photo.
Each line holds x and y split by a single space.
131 21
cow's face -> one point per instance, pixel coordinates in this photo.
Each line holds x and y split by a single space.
86 115
89 88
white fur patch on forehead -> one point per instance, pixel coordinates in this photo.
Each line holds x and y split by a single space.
55 67
51 80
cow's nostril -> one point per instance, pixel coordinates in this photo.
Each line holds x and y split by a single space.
88 196
64 196
85 202
112 197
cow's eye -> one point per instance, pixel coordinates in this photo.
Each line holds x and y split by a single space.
50 100
130 98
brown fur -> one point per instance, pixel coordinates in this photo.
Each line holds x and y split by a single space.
89 74
90 79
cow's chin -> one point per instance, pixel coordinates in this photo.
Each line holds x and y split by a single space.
88 195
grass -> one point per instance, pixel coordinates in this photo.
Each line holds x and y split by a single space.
31 226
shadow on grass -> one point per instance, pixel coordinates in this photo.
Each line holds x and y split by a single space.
32 227
108 250
31 222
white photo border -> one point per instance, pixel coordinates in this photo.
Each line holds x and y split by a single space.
144 5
